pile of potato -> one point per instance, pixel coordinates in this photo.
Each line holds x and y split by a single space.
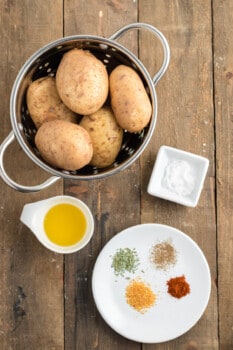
79 91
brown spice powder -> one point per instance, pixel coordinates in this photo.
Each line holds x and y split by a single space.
139 295
164 255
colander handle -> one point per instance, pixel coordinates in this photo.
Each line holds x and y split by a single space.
160 36
8 140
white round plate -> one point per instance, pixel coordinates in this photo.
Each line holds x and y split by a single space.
170 317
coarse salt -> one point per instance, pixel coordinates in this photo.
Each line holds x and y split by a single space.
179 178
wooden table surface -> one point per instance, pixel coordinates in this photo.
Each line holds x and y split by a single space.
45 298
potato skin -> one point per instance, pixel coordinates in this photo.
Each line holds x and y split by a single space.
106 136
44 103
82 81
64 145
129 100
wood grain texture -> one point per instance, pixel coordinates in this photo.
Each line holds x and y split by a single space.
223 72
31 286
114 201
185 121
46 300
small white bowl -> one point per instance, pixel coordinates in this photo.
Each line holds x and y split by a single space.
178 176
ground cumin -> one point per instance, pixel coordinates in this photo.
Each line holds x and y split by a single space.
178 287
139 295
163 255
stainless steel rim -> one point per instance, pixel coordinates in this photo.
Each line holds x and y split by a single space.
17 127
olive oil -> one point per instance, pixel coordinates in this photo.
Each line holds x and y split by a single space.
65 224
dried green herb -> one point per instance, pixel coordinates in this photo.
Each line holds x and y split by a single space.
125 260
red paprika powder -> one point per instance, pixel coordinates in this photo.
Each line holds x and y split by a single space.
178 287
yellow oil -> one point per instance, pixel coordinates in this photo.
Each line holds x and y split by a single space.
65 224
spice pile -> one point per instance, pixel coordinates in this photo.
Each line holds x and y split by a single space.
178 287
139 295
163 255
125 260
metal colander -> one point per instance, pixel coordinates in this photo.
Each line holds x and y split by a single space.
44 63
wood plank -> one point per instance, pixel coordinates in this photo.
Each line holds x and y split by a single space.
31 303
185 121
194 113
114 201
223 73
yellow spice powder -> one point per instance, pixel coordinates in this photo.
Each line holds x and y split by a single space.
139 295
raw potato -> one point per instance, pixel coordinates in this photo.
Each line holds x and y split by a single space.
130 103
106 136
64 145
45 104
82 81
